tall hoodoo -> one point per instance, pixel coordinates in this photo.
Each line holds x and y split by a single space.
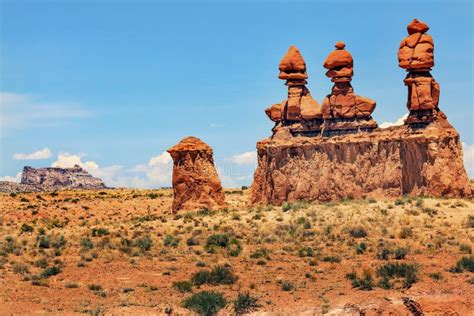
416 56
300 113
196 184
344 111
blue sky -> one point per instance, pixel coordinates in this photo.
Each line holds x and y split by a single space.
113 84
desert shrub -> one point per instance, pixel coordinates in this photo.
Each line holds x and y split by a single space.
205 303
192 241
465 263
24 200
390 271
234 248
20 268
470 221
357 232
216 240
99 232
218 275
41 263
464 248
400 253
305 252
9 245
50 271
154 195
44 242
71 285
405 232
287 286
245 303
295 206
361 248
144 243
260 253
94 287
58 242
183 286
436 276
25 228
332 259
365 283
86 244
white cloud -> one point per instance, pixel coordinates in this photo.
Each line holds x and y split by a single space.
16 178
25 111
249 157
158 172
37 155
398 122
469 159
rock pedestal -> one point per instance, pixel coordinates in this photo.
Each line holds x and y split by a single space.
196 184
416 56
385 163
343 111
300 114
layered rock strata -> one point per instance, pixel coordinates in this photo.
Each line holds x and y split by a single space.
385 163
416 55
196 184
299 114
343 111
55 178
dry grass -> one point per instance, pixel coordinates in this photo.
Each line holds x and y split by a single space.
116 251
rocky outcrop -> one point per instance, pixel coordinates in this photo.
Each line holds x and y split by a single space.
300 114
13 187
55 178
385 163
344 111
196 184
416 55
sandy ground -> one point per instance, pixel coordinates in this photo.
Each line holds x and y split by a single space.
111 254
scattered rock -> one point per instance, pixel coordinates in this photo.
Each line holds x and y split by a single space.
196 184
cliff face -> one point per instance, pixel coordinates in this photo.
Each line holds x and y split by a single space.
47 179
385 163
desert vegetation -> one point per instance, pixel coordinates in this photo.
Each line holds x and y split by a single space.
113 251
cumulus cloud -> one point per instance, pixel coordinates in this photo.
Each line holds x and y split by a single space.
398 122
157 172
26 111
16 178
469 159
37 155
249 157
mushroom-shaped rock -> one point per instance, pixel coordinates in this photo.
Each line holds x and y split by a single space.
416 50
417 27
196 184
339 58
292 65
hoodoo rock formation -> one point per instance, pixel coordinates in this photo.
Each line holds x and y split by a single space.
196 184
416 55
300 114
352 157
53 179
343 111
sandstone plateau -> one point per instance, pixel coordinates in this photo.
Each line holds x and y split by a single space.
53 179
196 184
347 155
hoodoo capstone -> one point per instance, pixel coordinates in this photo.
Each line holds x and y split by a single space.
196 184
351 157
416 55
300 114
343 111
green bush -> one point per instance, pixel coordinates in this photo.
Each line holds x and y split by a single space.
25 228
218 275
465 263
86 244
287 286
305 252
357 232
183 286
361 248
216 240
99 232
245 303
205 303
365 283
391 271
400 253
260 253
144 243
332 259
50 271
